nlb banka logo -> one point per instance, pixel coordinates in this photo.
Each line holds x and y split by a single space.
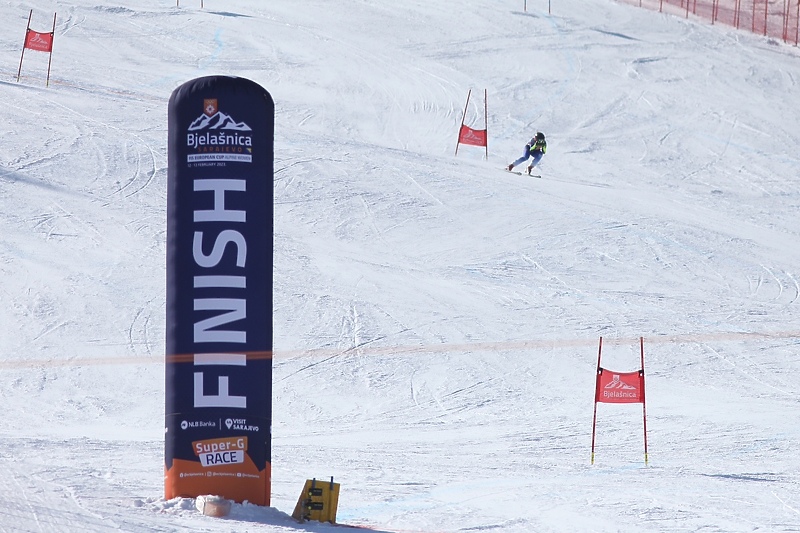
217 137
195 424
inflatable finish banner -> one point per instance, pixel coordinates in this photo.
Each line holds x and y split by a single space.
219 290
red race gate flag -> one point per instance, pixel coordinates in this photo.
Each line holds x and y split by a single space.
469 136
474 137
43 42
619 387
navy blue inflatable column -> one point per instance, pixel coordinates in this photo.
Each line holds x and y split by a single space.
219 290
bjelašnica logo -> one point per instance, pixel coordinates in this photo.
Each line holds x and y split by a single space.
470 137
217 137
617 388
617 383
38 42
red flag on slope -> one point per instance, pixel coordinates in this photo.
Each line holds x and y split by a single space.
469 136
42 42
619 387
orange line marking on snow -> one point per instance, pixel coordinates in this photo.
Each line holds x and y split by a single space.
365 350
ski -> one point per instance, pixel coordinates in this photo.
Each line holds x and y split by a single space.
523 173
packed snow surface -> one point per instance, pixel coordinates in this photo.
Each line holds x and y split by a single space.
436 319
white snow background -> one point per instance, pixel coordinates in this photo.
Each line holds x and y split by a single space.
436 319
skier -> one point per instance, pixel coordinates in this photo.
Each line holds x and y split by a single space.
535 148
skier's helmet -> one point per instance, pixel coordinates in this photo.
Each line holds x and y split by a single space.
539 136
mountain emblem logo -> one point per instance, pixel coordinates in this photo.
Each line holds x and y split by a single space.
617 383
214 119
216 137
471 136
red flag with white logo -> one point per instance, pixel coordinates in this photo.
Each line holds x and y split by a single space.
472 136
619 387
468 135
43 42
38 41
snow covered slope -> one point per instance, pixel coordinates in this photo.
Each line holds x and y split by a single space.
436 318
